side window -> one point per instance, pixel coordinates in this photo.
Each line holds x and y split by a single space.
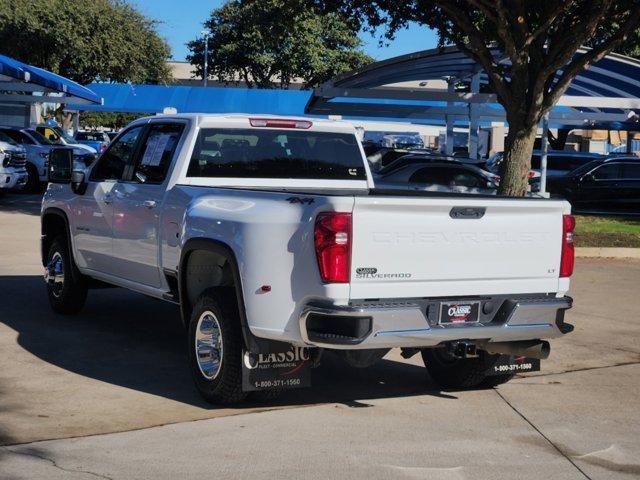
467 179
631 171
11 134
112 164
607 172
433 175
157 152
25 140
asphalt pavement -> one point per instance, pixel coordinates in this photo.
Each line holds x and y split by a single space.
107 394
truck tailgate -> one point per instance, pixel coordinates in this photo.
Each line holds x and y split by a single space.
407 247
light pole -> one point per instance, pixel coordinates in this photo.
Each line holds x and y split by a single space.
206 34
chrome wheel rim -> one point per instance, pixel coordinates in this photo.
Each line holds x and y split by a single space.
54 274
208 345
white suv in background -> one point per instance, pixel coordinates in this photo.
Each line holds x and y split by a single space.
37 149
13 159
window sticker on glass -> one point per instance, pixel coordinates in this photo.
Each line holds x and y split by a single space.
156 145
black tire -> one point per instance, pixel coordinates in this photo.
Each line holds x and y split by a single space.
223 384
69 297
33 180
462 373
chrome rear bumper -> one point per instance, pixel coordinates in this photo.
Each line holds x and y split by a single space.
408 324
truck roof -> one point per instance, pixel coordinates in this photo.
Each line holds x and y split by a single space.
233 119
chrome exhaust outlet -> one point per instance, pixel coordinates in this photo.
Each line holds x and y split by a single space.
528 348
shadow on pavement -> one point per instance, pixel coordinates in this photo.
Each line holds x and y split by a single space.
27 203
136 342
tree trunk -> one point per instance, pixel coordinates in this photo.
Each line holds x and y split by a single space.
517 159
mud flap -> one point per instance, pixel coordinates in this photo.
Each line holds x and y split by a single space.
508 364
280 370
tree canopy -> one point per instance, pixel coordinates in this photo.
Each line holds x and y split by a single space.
100 40
538 46
269 43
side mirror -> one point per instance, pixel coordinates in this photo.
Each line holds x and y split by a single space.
78 182
60 165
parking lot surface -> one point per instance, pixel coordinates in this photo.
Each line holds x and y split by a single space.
107 394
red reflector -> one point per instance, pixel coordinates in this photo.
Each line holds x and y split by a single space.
332 238
568 251
274 123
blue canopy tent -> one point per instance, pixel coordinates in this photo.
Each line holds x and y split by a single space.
134 98
22 83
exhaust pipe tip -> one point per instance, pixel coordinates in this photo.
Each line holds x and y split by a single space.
545 350
529 348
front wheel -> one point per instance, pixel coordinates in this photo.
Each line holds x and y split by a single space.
33 180
452 372
215 349
67 292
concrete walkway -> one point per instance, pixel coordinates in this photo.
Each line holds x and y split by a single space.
107 394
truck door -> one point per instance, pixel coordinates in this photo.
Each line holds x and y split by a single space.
137 204
93 227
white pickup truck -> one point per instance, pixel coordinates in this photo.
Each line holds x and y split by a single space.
271 236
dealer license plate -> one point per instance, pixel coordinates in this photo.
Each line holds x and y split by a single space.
459 312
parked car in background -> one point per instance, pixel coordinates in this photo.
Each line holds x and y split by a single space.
13 159
608 185
407 140
437 175
381 157
59 137
83 155
558 162
96 140
37 148
393 139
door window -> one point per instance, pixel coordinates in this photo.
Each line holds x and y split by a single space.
112 164
631 171
607 172
433 175
157 152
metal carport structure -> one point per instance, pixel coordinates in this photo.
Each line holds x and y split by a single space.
24 83
605 95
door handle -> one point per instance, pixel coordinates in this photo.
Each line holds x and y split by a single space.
149 203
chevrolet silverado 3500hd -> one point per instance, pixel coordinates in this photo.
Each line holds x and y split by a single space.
271 236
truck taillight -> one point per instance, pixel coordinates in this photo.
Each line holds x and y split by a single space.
103 147
332 237
568 251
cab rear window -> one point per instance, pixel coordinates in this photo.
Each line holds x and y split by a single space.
273 153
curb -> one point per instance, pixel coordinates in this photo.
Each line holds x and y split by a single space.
607 252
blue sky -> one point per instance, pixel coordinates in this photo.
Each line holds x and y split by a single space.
182 21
